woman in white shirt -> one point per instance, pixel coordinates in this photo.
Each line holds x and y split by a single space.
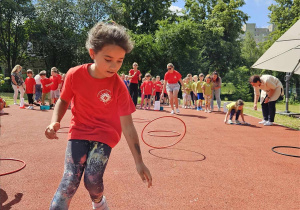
271 89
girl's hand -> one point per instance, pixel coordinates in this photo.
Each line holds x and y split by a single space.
50 131
225 121
144 173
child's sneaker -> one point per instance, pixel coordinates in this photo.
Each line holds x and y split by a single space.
28 107
201 108
209 111
198 109
229 122
102 205
2 111
237 122
172 112
205 110
177 111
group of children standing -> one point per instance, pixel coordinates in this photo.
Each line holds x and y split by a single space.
41 86
197 91
151 89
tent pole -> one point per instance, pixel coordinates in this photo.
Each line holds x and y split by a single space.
287 87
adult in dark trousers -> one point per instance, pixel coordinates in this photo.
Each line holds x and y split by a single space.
216 90
134 76
271 89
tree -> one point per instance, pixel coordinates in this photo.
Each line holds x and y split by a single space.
13 36
140 16
54 33
224 27
183 44
250 51
284 14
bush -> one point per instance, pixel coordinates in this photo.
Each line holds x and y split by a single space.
5 84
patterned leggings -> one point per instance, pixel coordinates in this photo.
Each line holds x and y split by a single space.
89 157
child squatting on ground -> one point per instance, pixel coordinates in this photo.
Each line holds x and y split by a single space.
99 115
235 108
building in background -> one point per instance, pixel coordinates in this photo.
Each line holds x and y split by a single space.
259 34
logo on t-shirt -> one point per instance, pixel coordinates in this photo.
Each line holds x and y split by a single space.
105 96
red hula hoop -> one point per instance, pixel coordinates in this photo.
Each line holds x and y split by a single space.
152 131
24 164
166 131
140 120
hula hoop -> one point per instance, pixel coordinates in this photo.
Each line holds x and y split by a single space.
24 164
167 145
150 151
273 149
140 120
166 131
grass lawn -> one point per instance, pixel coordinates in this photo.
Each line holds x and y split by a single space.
287 121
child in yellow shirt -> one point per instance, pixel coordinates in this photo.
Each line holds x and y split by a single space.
206 87
235 108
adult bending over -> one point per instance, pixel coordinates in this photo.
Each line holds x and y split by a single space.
17 83
216 90
134 76
171 84
271 89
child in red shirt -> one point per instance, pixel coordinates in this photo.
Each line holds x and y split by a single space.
158 88
30 88
142 93
56 85
148 89
46 83
101 110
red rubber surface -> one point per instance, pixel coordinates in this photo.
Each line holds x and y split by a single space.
240 170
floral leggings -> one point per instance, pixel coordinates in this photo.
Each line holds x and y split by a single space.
85 156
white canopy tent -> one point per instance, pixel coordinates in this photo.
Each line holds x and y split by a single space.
283 56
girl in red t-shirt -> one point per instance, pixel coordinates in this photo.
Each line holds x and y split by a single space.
172 77
101 110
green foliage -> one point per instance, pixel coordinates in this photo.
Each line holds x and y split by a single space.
5 85
13 36
284 14
250 51
140 16
239 78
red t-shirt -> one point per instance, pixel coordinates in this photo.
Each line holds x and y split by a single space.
148 86
158 86
45 82
30 83
56 81
172 78
135 78
97 105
